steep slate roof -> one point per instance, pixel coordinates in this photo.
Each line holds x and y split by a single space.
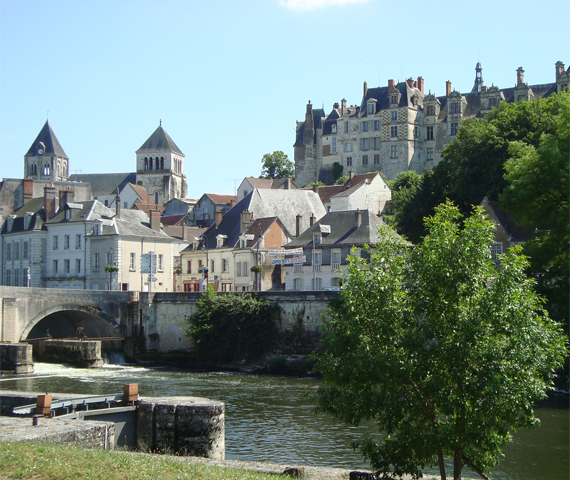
159 141
134 224
105 183
515 231
176 231
50 141
344 230
263 204
35 206
87 211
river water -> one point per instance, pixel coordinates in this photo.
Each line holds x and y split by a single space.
271 419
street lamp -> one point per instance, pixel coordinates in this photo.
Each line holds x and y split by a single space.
205 270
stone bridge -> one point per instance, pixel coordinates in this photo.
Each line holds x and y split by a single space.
27 313
158 319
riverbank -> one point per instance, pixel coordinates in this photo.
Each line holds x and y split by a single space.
42 461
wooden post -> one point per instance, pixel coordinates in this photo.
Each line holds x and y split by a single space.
131 392
43 404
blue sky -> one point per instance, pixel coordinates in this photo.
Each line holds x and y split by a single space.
229 78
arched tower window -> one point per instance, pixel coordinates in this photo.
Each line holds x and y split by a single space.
156 197
145 163
162 163
47 169
150 164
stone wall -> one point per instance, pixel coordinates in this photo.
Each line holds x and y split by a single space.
80 353
164 316
16 357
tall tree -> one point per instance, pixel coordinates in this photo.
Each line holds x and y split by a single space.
277 165
444 352
537 195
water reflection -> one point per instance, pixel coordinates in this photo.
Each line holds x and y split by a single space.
271 418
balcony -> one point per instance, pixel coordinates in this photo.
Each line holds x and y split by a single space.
317 267
335 267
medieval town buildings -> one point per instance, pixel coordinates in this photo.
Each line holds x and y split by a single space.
92 231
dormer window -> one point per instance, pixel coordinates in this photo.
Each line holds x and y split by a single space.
334 128
220 239
67 214
371 107
430 110
393 99
455 107
243 239
97 228
11 222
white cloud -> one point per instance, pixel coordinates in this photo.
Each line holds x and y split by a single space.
302 5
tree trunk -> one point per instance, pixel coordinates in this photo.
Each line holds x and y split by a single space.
440 461
476 468
457 463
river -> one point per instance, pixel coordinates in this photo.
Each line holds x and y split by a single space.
271 418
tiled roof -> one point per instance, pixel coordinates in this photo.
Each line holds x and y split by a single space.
50 141
172 219
142 193
159 141
220 199
326 192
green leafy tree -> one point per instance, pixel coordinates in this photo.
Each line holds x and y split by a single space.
277 165
444 352
537 195
232 327
473 164
342 180
318 183
336 171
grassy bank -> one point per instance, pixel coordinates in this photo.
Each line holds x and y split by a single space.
43 461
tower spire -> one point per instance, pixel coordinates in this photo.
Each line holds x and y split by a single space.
478 78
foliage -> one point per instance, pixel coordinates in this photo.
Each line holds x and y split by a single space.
336 171
473 164
111 268
232 327
444 352
256 268
46 461
277 165
342 180
537 195
318 183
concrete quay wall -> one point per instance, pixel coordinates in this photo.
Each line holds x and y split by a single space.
16 357
164 314
80 353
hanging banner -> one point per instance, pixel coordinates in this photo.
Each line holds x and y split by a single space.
280 253
289 261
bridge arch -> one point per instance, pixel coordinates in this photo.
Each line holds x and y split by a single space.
64 319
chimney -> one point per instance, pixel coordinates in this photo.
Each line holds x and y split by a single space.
447 88
298 225
520 76
351 174
343 103
421 84
559 69
358 217
287 184
232 202
365 88
155 220
390 85
117 205
316 188
410 82
336 106
245 221
28 189
218 214
49 201
312 220
65 197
